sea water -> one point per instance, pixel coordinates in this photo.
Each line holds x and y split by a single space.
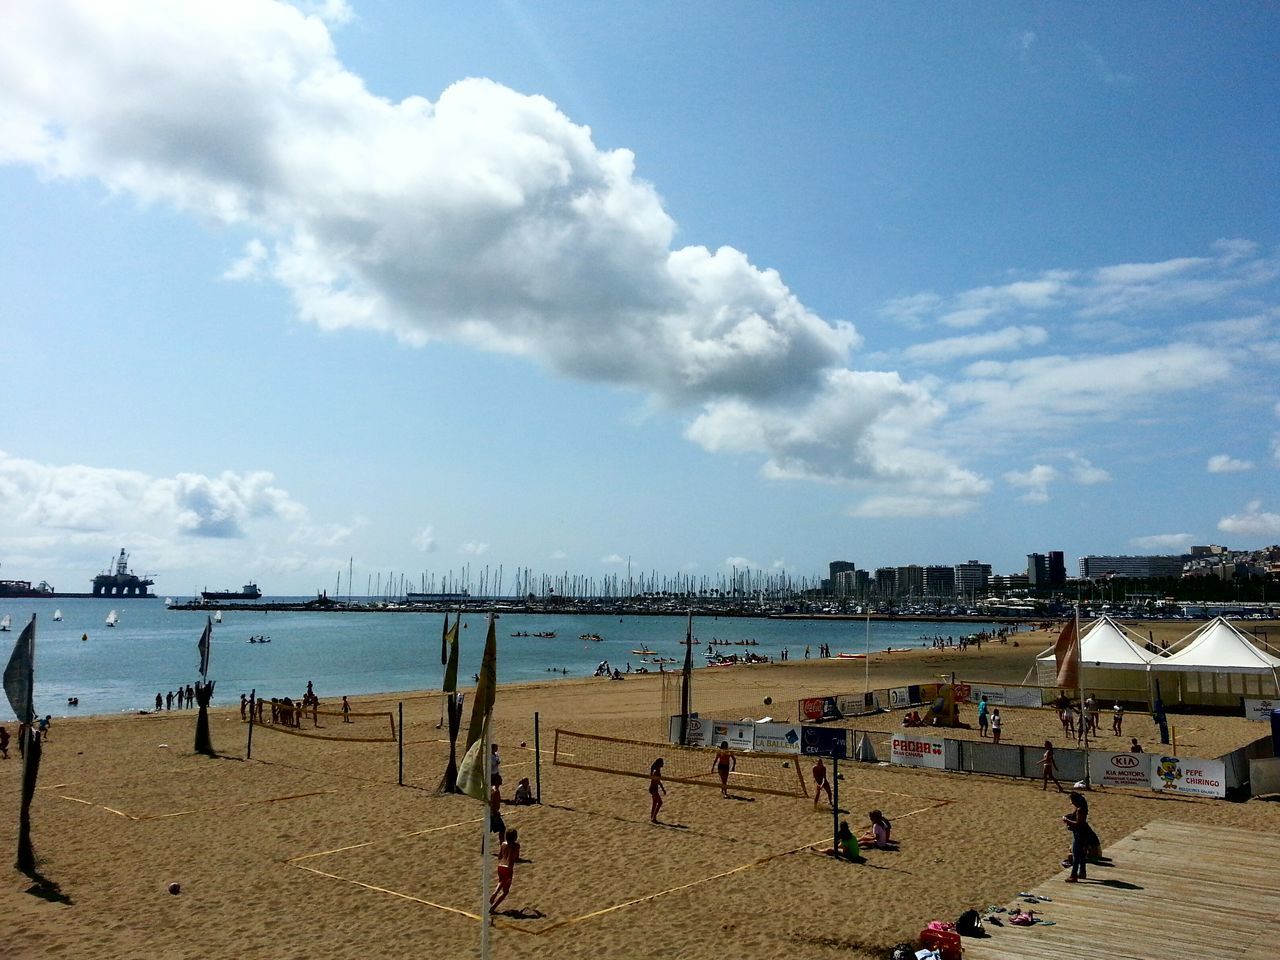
154 650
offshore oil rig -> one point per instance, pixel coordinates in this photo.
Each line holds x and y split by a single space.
123 582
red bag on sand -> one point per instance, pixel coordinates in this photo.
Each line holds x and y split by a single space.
947 942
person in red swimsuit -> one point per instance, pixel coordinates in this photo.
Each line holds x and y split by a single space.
724 763
508 854
820 782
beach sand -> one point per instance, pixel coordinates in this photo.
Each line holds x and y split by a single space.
312 849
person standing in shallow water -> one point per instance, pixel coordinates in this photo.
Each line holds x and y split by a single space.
657 789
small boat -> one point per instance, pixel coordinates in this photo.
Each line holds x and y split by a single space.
57 616
217 617
113 618
695 642
6 622
644 652
590 636
548 635
851 656
521 633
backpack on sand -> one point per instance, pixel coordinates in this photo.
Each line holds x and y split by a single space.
969 924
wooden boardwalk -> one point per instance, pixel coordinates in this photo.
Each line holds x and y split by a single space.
1175 891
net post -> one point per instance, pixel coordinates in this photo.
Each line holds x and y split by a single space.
537 756
253 712
835 803
400 743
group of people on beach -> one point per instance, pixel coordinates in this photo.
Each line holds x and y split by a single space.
186 697
287 712
41 732
508 837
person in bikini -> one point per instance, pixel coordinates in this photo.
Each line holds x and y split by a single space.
656 789
820 783
724 763
508 854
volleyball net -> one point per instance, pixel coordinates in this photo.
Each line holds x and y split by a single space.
351 726
776 774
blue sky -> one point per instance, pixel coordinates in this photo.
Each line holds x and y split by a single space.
552 285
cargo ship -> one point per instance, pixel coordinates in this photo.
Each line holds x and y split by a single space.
23 588
249 591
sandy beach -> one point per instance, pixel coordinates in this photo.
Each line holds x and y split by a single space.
312 849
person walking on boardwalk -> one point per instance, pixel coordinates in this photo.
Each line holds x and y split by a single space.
725 762
820 782
657 789
1049 767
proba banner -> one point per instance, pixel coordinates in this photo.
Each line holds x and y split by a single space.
915 751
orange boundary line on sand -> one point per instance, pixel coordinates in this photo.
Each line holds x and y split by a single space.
394 893
186 813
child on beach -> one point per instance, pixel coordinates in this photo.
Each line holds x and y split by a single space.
346 710
879 837
995 725
656 785
847 844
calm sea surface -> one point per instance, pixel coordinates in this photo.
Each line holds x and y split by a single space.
154 649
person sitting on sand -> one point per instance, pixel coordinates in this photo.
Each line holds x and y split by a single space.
508 854
820 782
880 835
524 793
847 844
655 785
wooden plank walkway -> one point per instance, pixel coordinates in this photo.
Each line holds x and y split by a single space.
1174 891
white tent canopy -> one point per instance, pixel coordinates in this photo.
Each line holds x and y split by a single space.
1112 661
1217 647
1216 652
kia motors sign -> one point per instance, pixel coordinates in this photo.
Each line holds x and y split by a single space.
1120 769
911 751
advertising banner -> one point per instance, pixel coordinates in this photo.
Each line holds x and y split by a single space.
1120 769
697 734
1259 709
777 737
851 704
826 741
1023 697
1188 776
994 695
899 698
819 708
912 751
740 736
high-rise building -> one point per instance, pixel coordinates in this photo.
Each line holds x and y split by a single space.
972 579
886 581
940 582
1057 569
841 583
1037 571
861 584
910 580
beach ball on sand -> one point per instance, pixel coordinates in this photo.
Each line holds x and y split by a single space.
175 888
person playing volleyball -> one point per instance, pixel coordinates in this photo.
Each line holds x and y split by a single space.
821 783
724 763
656 785
508 854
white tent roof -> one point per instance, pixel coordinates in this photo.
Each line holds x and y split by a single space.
1218 647
1104 644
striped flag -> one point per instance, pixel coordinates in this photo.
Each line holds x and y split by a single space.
451 655
485 689
20 675
1068 656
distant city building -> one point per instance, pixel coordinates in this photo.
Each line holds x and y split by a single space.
841 582
972 579
1037 571
1093 567
1057 569
886 581
910 580
940 582
1009 583
861 583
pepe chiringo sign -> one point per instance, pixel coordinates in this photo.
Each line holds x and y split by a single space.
1188 776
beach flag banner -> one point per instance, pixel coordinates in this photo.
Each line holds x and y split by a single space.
1066 652
686 680
482 704
206 641
20 675
471 772
453 699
